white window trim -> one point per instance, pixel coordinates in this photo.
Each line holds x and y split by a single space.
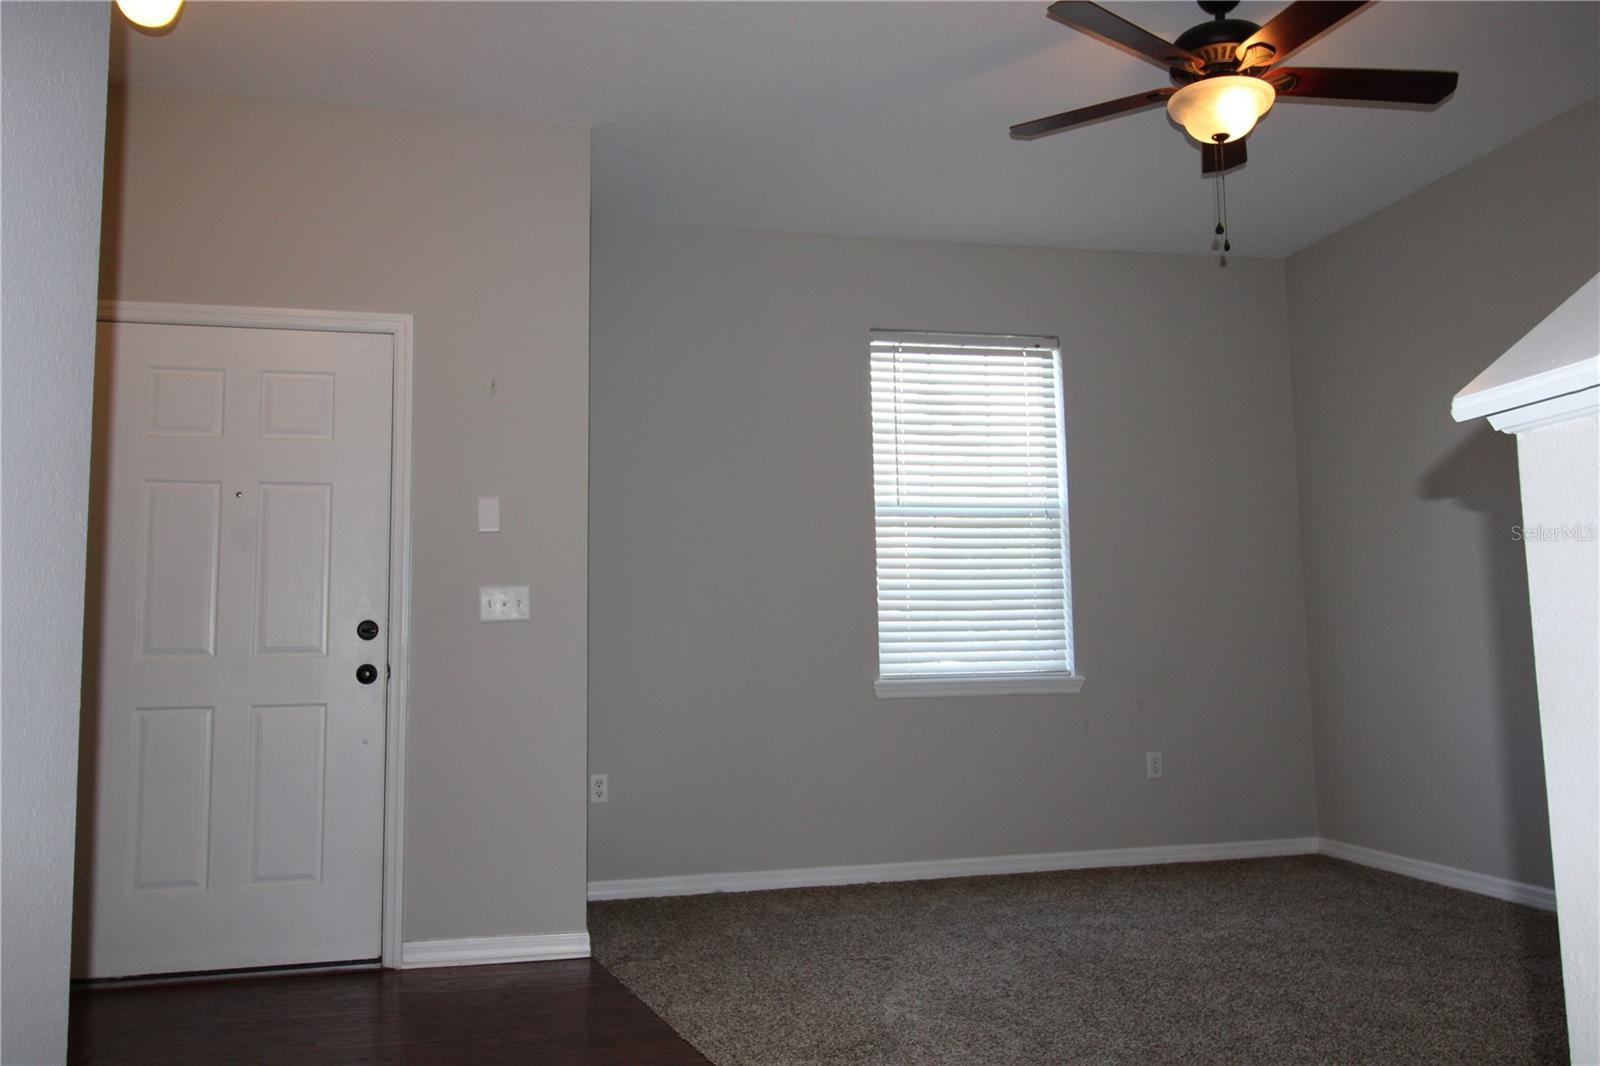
1022 685
992 684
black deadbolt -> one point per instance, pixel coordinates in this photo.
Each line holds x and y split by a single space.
366 673
367 630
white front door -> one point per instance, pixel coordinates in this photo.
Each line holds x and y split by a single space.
237 663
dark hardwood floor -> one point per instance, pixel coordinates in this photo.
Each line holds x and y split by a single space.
544 1012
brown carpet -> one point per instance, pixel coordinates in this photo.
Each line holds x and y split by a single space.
1271 960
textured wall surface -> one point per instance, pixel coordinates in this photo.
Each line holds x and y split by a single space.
53 108
1423 695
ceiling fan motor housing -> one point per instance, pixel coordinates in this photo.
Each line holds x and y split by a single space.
1216 43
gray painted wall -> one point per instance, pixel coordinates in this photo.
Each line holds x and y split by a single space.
478 227
733 626
1427 727
54 112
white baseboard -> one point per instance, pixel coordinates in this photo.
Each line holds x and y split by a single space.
760 880
483 950
696 884
1450 876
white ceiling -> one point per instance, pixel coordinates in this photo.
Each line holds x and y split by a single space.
890 119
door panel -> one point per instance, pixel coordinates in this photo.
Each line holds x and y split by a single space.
172 797
235 763
179 567
286 794
292 539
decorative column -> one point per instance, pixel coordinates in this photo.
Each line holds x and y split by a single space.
1546 390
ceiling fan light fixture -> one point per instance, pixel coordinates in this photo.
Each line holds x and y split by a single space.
1228 105
151 14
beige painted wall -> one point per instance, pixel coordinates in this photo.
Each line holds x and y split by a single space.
1427 718
480 229
733 639
53 112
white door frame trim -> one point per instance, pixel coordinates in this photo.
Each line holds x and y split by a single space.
399 329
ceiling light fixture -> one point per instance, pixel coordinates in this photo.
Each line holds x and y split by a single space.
151 14
1226 74
1221 109
1217 111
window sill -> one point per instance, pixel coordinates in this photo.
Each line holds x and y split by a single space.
902 687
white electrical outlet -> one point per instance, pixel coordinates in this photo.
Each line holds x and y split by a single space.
599 790
1152 764
502 603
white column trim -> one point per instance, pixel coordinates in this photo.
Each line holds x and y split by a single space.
1551 375
1548 412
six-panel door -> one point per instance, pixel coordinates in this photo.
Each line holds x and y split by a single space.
241 522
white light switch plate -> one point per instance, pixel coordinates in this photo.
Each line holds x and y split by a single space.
502 603
488 514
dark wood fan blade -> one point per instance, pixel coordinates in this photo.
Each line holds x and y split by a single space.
1371 86
1293 27
1040 127
1096 21
1233 156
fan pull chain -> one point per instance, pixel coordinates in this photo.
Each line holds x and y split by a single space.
1220 197
1216 196
1222 189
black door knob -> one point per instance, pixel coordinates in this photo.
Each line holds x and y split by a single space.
367 630
366 673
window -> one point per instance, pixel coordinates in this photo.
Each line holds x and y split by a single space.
970 499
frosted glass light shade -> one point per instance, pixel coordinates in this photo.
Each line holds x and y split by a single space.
151 14
1230 104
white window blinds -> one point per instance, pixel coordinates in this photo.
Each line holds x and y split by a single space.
970 499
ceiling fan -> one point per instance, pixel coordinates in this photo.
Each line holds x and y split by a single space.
1225 74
